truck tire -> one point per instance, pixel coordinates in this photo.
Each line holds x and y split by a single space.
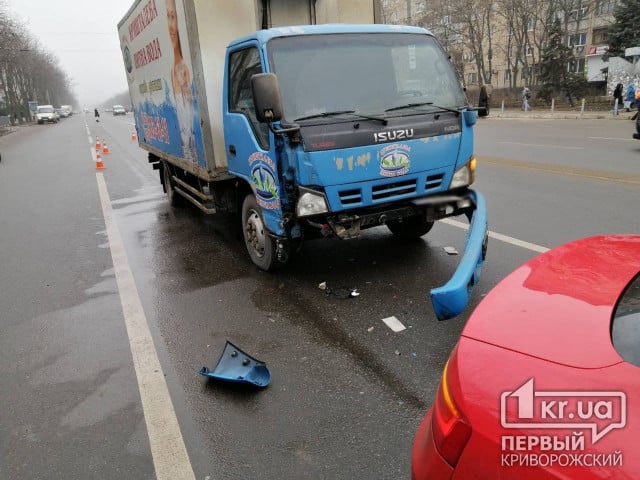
260 245
410 228
175 199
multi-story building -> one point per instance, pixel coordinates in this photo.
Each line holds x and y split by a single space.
508 59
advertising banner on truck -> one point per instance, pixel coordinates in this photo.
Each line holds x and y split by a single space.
153 39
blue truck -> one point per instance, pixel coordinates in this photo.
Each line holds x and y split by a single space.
321 129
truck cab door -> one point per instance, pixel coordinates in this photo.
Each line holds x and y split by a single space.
249 143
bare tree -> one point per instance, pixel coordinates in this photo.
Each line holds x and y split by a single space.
27 71
473 26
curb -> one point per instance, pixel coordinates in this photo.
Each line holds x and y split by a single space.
561 115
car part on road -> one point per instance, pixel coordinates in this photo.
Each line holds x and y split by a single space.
237 366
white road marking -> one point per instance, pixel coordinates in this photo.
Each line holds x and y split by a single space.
170 457
613 138
498 236
394 324
544 146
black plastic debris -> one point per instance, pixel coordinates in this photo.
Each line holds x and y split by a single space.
236 366
339 292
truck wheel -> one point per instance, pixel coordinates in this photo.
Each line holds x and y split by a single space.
175 199
260 245
410 228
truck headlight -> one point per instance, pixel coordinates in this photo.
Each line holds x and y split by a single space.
311 203
465 175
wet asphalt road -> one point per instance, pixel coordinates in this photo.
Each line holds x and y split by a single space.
345 398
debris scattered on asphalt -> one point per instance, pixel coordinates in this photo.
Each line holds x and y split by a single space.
234 365
414 354
394 324
397 352
339 292
370 329
451 250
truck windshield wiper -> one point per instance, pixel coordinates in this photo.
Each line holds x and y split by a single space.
324 114
341 112
422 104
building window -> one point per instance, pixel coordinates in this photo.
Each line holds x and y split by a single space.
507 76
577 39
525 73
529 51
576 66
600 36
605 7
472 78
530 24
578 14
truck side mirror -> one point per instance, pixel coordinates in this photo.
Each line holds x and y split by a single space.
266 97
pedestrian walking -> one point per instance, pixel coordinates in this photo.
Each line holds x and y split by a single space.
630 98
96 113
526 95
617 98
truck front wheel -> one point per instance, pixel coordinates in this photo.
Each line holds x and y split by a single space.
410 228
260 245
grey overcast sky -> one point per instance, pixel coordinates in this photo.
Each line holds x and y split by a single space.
83 34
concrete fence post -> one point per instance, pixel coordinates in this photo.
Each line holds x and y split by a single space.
553 104
582 107
502 107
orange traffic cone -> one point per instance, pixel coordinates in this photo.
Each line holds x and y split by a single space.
105 149
133 135
99 164
97 144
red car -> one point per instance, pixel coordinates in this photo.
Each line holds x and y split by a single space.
544 382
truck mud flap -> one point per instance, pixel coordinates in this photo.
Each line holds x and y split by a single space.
452 298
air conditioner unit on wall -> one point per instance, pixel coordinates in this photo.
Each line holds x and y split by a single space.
578 50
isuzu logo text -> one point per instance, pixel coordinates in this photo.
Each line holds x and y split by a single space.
597 411
393 135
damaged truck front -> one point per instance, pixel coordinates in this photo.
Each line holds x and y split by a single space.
327 130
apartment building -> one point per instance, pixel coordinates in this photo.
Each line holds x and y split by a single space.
508 59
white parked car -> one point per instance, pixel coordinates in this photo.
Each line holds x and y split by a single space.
46 113
119 110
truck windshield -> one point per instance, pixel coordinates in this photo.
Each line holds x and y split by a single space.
367 73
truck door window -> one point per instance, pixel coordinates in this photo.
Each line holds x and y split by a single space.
243 64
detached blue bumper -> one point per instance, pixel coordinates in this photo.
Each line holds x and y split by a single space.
452 298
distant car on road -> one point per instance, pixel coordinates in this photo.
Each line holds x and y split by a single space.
46 113
119 110
543 383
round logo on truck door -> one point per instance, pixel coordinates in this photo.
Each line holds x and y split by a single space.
264 178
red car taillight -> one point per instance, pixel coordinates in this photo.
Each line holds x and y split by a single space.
451 431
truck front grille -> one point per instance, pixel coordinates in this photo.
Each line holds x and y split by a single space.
350 197
433 181
390 190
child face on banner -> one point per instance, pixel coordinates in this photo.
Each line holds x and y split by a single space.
172 20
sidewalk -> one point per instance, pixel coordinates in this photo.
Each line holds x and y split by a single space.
540 113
